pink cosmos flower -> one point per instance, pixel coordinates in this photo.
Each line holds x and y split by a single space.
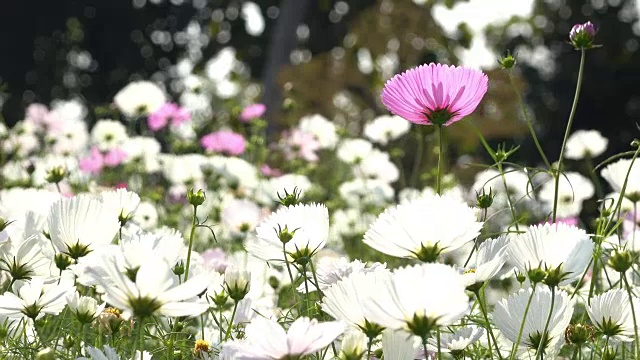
268 171
435 94
572 221
122 185
93 163
215 259
225 142
302 144
168 112
252 112
114 157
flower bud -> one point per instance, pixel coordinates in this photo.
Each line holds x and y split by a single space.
621 261
582 35
179 268
62 261
196 198
285 235
290 199
579 334
508 61
354 345
56 174
238 283
484 200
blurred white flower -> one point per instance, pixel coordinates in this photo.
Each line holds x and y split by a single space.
573 190
377 166
253 19
146 215
267 340
386 128
583 143
361 193
353 151
616 173
323 129
108 134
487 261
240 216
139 98
458 340
423 228
123 200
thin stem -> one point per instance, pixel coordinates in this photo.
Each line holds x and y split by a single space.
483 310
516 344
596 181
424 346
438 342
633 315
140 339
475 243
543 338
191 235
506 189
529 123
233 314
558 171
369 343
306 290
440 159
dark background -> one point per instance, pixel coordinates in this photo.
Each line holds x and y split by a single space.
37 35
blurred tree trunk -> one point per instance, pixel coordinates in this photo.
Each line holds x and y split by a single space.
283 41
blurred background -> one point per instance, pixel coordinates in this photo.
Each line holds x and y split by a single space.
330 57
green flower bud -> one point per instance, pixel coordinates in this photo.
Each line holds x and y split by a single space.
196 198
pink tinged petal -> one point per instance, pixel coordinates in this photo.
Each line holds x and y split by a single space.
175 309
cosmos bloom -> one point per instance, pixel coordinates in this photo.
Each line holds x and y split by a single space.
33 299
224 141
582 35
423 228
435 94
559 247
252 111
168 113
611 314
267 340
92 163
510 313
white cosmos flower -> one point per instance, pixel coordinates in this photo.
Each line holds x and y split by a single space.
552 246
146 215
139 98
354 150
108 134
307 225
458 340
240 216
583 143
377 165
345 299
323 129
330 271
85 308
267 340
360 192
616 173
289 183
156 290
487 261
354 344
385 128
611 314
33 299
400 345
439 300
124 200
573 190
509 315
23 259
423 228
82 224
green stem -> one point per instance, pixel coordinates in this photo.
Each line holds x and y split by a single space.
558 171
516 344
140 339
633 315
191 236
529 123
233 314
440 159
540 350
369 343
483 310
506 189
438 342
